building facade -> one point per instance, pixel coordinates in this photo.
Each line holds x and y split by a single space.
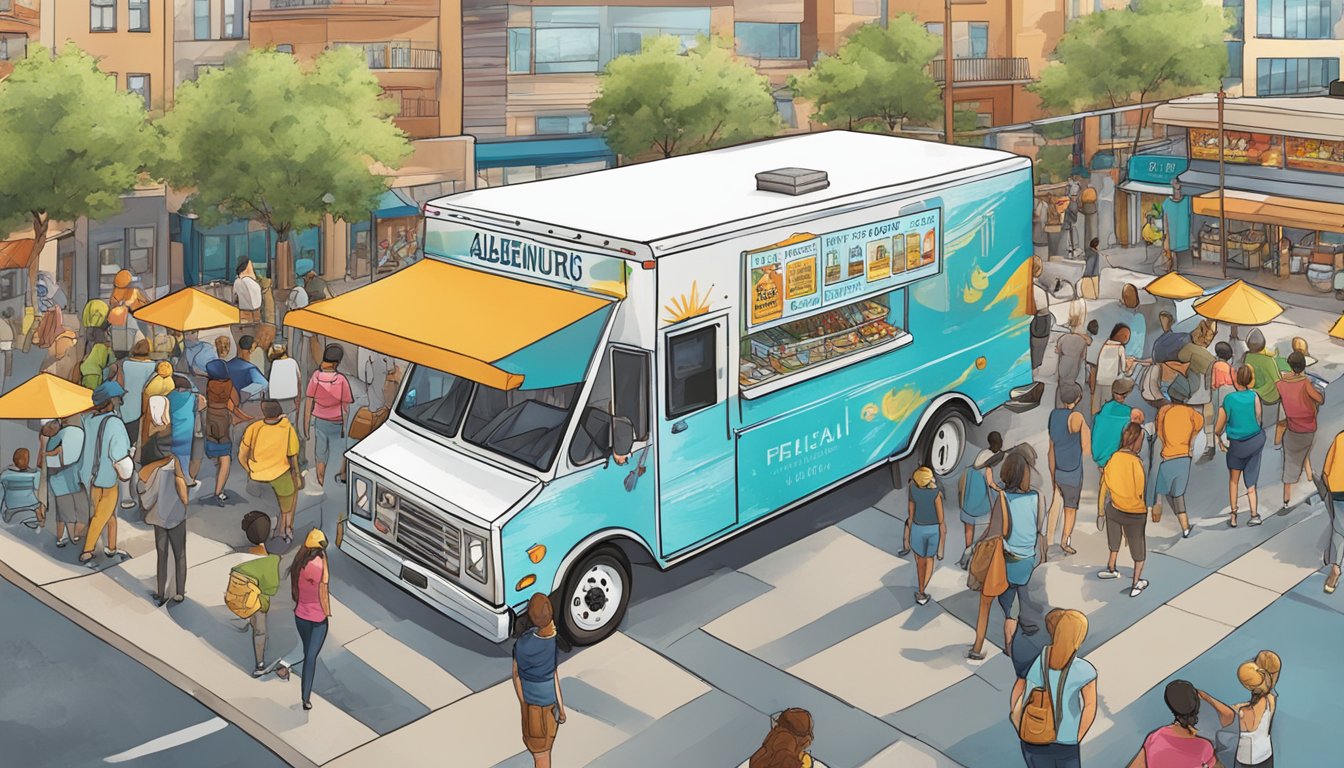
1284 47
19 26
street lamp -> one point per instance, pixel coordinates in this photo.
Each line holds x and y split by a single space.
948 61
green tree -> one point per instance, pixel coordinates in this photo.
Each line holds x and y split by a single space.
878 79
1159 49
270 140
661 100
71 144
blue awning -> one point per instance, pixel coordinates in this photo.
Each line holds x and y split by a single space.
560 358
395 205
570 149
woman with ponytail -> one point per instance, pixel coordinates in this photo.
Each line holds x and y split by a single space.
1178 745
786 744
1256 716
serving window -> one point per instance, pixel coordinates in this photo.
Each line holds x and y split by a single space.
798 346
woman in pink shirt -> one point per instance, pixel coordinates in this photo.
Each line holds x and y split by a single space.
324 409
308 579
1178 745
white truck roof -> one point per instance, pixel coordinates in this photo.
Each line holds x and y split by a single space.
664 199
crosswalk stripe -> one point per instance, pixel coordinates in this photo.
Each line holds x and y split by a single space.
168 741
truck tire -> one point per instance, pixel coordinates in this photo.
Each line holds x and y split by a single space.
942 444
595 595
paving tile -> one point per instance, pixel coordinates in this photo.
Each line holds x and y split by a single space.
725 731
35 564
923 648
908 753
810 577
633 675
1138 658
429 683
1224 599
967 721
1285 560
199 549
664 619
347 682
845 621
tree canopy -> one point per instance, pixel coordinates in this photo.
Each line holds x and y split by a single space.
270 140
878 79
665 101
72 143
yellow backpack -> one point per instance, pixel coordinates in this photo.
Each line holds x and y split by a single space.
243 595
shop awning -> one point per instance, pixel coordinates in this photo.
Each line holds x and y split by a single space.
501 332
15 254
1269 209
557 151
395 205
189 309
1146 188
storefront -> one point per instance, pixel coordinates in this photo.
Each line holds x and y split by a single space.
528 159
1283 189
388 240
1147 208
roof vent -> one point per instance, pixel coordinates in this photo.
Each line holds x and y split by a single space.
792 181
1336 90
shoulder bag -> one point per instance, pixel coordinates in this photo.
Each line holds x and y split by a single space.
987 572
1041 712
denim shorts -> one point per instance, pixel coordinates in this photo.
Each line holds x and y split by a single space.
924 540
329 438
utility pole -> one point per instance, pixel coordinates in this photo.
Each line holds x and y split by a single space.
949 65
1222 188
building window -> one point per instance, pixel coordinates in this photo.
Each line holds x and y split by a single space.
1299 19
13 47
140 248
1235 65
139 85
766 41
137 15
1285 77
970 39
102 16
110 262
6 6
201 19
784 105
285 48
233 19
1237 10
630 27
567 39
520 50
558 124
201 69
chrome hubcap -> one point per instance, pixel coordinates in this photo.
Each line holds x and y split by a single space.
947 446
596 598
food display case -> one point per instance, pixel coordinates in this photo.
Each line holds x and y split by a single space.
1238 147
1314 154
1246 248
800 344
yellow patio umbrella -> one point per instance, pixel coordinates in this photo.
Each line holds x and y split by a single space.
189 309
1174 285
1240 304
45 396
1337 330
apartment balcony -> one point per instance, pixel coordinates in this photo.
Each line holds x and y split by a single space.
389 56
983 71
418 116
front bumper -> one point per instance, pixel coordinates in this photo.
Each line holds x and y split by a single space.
445 597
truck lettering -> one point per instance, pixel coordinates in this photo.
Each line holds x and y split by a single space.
809 443
523 256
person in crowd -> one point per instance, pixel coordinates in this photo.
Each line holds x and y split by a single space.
1111 420
247 295
1240 419
1092 265
1332 472
1254 717
246 377
221 413
535 660
374 368
1042 320
106 445
93 369
787 743
1178 744
1113 364
265 568
158 438
324 412
1264 364
284 385
269 451
1177 424
1197 368
259 354
186 408
62 446
974 494
309 576
1300 400
993 582
925 529
163 496
1072 685
133 374
1070 440
126 297
196 353
1023 542
1121 508
1223 380
19 485
1072 347
62 359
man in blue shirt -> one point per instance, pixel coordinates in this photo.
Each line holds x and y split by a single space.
535 658
246 378
196 353
105 444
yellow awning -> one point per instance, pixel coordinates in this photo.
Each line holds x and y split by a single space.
1337 330
1240 304
490 329
1174 285
1269 209
45 397
189 309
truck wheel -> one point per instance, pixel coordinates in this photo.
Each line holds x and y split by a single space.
595 595
943 442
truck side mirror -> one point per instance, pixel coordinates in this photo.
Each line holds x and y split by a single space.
622 438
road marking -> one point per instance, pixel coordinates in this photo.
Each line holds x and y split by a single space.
174 739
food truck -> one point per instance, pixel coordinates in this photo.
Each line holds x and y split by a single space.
647 360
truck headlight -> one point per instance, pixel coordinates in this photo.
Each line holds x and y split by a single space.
362 497
385 512
475 560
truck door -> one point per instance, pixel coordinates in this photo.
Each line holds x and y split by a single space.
696 477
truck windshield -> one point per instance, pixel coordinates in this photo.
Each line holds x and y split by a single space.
523 425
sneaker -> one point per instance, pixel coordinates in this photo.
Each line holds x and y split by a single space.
1186 533
921 598
64 540
128 505
1255 520
973 656
1108 575
260 670
1138 588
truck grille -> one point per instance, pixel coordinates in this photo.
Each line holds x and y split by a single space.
429 538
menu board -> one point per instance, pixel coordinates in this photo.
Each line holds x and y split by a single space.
1238 147
1314 154
808 272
